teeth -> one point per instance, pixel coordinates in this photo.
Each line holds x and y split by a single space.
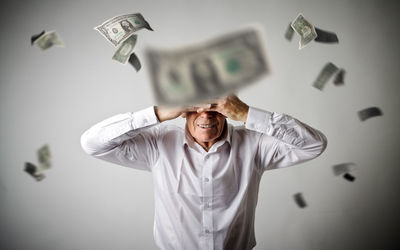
206 126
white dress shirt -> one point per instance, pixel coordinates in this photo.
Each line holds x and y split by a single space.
204 200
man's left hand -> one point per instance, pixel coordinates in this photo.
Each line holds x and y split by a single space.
230 106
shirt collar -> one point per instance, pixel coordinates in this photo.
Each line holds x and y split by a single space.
226 136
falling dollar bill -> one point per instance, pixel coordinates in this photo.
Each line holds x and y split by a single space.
125 49
299 199
44 157
49 39
35 37
119 28
289 32
369 112
349 177
343 168
325 36
33 171
135 62
339 78
211 69
326 73
304 29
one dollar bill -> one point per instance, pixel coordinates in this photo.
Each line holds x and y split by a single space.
125 50
119 28
207 70
304 29
47 40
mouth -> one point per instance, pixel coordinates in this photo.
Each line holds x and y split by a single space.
205 126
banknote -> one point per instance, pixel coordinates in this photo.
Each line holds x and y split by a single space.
35 37
299 199
207 70
135 62
369 112
124 51
49 39
343 168
119 28
325 36
304 29
44 157
33 171
326 73
339 78
349 177
289 32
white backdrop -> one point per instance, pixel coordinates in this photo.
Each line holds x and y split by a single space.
83 203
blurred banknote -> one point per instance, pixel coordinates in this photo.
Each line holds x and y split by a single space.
326 73
369 112
325 36
119 28
208 70
343 168
135 62
47 40
44 157
33 171
125 49
339 78
289 32
349 177
299 199
35 37
304 29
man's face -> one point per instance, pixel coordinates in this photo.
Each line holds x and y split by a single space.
206 127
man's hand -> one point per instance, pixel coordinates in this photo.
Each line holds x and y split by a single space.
169 113
230 106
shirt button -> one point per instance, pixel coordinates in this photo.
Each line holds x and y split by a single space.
207 231
209 204
206 179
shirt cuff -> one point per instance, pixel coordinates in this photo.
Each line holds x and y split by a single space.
144 118
258 120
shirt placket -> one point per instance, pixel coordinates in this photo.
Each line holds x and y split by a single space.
207 182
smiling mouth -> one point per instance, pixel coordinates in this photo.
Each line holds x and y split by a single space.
207 125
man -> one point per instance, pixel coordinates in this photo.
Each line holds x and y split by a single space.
206 177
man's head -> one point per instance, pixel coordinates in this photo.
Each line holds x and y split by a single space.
206 127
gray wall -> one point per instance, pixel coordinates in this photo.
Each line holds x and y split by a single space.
84 203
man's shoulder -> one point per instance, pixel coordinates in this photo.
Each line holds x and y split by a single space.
242 132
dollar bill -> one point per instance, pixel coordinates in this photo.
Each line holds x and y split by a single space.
299 199
44 157
304 29
33 171
119 28
49 39
125 49
35 37
349 177
325 36
369 112
326 73
289 32
207 70
343 168
339 78
135 62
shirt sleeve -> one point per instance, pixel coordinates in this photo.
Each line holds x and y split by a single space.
283 140
128 139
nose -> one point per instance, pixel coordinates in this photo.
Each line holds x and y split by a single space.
207 114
